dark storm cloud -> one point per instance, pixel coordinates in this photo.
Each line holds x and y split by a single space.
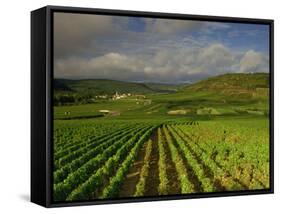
76 34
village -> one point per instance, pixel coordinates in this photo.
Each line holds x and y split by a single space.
139 99
118 96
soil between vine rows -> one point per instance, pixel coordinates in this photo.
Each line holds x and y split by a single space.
151 188
129 185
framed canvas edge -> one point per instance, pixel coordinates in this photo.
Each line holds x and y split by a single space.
38 105
49 92
49 114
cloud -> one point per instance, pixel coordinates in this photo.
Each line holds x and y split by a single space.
216 57
77 33
87 35
158 50
217 25
173 26
170 26
164 65
239 33
109 66
254 61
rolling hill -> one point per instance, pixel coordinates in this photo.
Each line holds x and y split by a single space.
254 84
104 86
235 86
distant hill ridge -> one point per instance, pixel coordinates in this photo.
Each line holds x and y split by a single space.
105 86
233 83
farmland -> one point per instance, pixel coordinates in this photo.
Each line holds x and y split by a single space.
153 141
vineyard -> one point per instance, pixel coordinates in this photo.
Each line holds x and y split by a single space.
138 112
117 159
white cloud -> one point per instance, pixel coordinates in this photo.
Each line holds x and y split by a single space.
216 57
165 65
253 61
97 46
110 66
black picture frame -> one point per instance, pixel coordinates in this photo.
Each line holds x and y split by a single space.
41 102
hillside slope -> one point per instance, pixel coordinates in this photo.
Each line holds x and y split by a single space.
254 84
104 86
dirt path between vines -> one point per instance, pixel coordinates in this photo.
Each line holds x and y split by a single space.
152 182
174 184
128 187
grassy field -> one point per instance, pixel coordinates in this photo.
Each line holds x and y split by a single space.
210 136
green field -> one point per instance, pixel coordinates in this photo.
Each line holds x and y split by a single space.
115 139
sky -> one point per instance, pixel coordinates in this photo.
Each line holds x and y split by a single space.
140 49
